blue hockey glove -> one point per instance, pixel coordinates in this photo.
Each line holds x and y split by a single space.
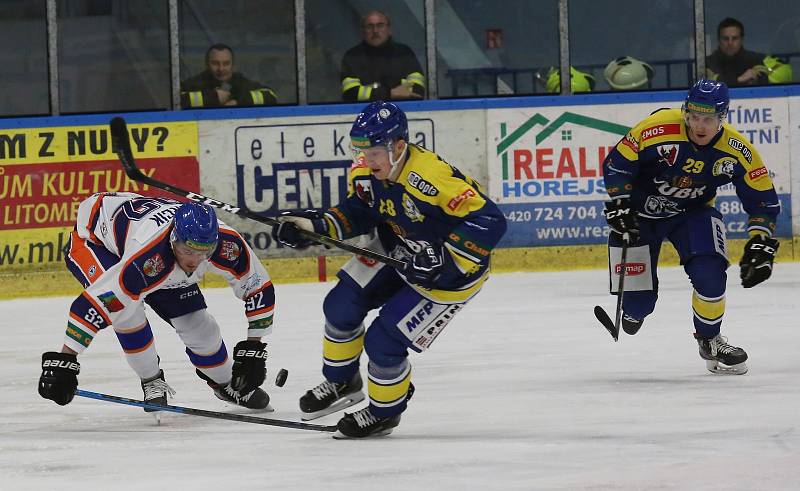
756 263
424 267
288 231
249 366
59 377
621 217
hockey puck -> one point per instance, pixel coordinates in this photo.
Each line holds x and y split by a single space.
281 378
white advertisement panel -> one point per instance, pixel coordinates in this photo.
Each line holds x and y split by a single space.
545 166
284 164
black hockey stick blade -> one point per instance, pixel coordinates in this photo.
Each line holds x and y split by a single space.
122 147
604 319
244 418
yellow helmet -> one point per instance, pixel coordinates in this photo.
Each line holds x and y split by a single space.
579 81
780 72
628 73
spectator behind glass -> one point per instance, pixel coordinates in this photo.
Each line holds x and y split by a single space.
730 62
379 68
219 85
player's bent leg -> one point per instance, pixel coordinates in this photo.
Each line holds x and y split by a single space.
641 279
707 274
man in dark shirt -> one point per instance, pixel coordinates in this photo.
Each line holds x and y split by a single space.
219 85
379 68
730 62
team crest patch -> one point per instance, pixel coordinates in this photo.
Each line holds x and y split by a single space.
667 154
153 266
724 166
412 212
230 250
111 301
92 270
364 191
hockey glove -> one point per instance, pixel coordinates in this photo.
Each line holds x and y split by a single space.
424 267
59 377
756 263
288 232
249 366
621 217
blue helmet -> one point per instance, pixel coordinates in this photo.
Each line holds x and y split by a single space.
196 226
380 123
708 97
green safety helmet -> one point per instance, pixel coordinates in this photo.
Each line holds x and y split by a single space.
628 73
780 72
579 81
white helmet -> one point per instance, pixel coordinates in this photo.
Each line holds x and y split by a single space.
628 73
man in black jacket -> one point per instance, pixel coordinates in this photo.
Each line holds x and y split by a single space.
730 62
219 85
379 68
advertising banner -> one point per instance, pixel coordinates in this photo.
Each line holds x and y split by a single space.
545 166
46 172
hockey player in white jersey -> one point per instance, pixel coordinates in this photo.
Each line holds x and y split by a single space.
128 250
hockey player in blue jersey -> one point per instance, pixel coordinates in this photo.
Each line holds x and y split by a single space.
424 212
662 179
127 251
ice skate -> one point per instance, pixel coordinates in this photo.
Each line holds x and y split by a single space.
631 325
364 424
721 357
257 399
329 397
156 391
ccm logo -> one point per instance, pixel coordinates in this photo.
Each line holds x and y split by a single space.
756 173
631 269
366 261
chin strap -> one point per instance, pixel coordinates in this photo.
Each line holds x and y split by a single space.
396 165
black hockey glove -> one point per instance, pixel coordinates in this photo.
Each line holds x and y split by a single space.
756 263
59 377
288 231
424 267
621 217
249 366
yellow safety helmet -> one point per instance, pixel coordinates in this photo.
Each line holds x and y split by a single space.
579 81
628 73
780 72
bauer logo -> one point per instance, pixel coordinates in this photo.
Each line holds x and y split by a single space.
301 166
631 269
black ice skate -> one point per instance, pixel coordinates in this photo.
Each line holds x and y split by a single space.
156 390
329 397
364 424
257 399
721 357
630 324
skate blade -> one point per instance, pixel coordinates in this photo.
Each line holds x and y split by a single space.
343 403
341 436
157 417
717 368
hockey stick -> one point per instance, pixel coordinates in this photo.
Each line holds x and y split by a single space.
122 147
602 316
207 414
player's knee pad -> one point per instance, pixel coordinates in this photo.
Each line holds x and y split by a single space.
639 304
707 274
383 347
199 331
343 307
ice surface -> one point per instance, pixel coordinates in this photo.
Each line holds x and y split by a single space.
523 390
